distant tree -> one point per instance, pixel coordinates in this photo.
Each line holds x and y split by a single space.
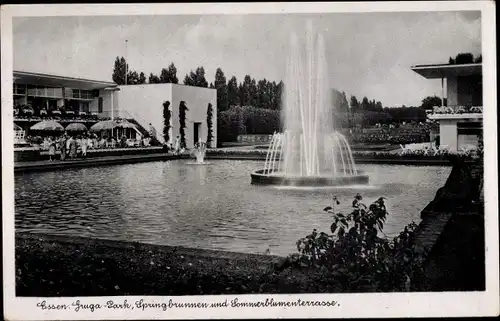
278 95
232 94
211 86
190 79
153 79
245 94
478 59
164 76
172 73
253 93
132 78
429 102
142 78
119 70
263 94
365 104
464 58
354 104
379 107
200 80
222 90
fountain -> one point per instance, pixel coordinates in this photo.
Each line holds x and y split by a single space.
310 152
199 152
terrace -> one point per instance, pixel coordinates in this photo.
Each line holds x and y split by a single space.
456 112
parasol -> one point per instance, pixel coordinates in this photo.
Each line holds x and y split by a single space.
125 124
48 125
76 127
103 125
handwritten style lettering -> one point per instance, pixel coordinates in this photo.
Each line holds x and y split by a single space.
92 307
45 306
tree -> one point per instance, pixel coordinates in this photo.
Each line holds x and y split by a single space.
132 78
278 91
264 96
222 90
182 122
340 103
464 58
199 78
478 59
167 114
119 71
245 95
153 79
365 104
169 75
354 104
428 103
189 80
210 114
164 76
172 73
142 78
253 93
211 86
232 94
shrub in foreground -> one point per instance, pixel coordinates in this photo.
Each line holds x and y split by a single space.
357 256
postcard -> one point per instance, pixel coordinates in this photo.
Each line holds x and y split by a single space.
249 160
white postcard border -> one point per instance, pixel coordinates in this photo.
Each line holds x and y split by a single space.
350 305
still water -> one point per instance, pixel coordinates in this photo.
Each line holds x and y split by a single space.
211 206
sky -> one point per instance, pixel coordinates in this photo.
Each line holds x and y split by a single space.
368 54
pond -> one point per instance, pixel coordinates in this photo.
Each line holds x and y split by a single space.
211 206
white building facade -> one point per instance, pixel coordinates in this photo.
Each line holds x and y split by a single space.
461 120
145 102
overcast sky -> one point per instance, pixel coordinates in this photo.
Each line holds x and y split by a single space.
368 54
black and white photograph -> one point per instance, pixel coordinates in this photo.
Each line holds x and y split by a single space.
249 160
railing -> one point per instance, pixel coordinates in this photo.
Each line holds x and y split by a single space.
127 115
457 110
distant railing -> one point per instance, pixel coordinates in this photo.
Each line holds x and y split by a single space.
127 115
457 110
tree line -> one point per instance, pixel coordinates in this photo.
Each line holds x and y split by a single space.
262 93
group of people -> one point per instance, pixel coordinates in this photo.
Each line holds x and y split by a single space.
68 145
73 146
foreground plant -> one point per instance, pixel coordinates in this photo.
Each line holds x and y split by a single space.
355 256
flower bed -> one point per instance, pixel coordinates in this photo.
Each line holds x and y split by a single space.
415 155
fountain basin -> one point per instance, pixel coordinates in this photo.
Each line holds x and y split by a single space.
261 177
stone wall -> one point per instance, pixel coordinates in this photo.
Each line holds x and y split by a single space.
452 234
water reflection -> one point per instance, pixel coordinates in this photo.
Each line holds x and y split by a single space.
212 206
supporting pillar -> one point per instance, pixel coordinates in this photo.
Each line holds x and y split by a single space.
25 95
442 91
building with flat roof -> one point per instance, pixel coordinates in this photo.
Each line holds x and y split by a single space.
39 96
461 119
44 92
145 104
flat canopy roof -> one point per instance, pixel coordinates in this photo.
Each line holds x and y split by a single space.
31 78
444 71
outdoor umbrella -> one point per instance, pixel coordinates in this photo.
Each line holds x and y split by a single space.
76 127
125 124
48 125
104 125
